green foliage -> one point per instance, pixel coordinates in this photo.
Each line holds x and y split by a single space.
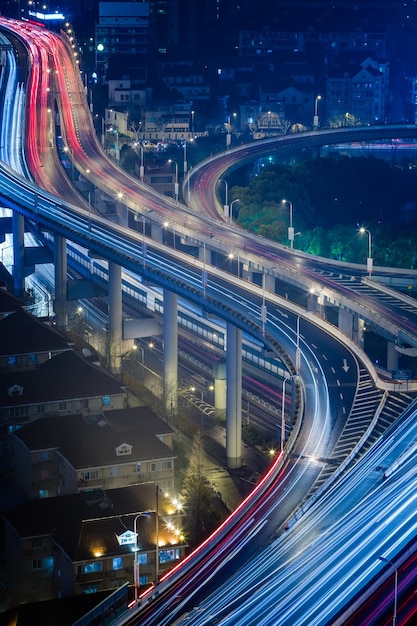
202 517
332 197
253 436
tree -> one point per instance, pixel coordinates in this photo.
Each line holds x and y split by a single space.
197 495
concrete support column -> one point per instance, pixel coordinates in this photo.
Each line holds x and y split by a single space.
170 329
60 265
219 375
345 322
392 357
358 330
18 224
115 316
269 282
157 232
234 397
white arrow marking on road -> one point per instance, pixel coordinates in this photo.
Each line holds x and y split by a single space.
345 366
282 313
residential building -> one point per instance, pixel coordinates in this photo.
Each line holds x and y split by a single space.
27 341
122 33
85 543
66 384
358 90
63 455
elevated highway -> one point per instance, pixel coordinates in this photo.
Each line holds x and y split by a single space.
248 305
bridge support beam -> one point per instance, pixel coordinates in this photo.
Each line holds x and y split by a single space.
234 397
18 222
345 322
352 325
60 265
219 375
392 357
358 330
170 330
115 316
269 282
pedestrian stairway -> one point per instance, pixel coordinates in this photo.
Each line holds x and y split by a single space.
373 412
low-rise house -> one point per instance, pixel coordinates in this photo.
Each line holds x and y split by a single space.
27 341
85 543
66 384
359 90
64 455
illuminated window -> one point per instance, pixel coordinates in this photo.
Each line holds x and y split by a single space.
118 563
94 566
167 556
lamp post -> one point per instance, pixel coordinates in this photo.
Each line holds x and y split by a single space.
290 227
316 113
185 156
176 186
231 209
382 558
283 414
68 149
142 165
226 204
369 260
136 567
102 128
229 130
89 212
192 122
231 256
297 349
158 492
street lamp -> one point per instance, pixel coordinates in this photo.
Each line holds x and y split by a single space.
229 130
185 156
68 149
382 558
226 204
176 186
136 567
231 256
316 113
369 260
117 151
231 209
142 166
297 350
283 414
290 227
102 128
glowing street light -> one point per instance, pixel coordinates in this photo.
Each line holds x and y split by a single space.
136 567
226 202
229 130
290 227
231 209
176 185
316 113
369 260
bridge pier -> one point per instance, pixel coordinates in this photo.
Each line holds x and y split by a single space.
18 222
60 265
115 316
234 397
219 375
392 357
352 325
170 340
